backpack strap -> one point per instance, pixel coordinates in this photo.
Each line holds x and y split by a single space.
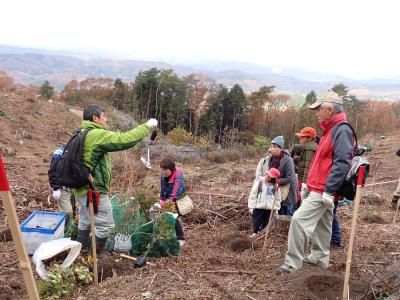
357 151
352 129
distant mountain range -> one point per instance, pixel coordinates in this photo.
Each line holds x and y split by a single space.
33 66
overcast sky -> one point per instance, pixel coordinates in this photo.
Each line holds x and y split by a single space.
358 39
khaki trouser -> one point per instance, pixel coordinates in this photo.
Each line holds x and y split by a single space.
103 220
397 191
65 204
312 220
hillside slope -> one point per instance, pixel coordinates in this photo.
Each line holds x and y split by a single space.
218 261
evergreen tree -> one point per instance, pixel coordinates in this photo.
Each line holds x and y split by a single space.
46 91
310 99
307 116
259 115
146 84
341 90
118 94
234 107
213 119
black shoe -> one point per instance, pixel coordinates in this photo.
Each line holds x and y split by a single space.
83 238
395 199
336 245
286 269
100 244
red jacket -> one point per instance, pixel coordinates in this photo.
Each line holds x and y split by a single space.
332 160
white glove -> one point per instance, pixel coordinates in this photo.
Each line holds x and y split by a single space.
304 191
57 194
152 123
327 199
251 210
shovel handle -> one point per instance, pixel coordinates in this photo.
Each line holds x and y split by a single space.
271 215
91 213
135 259
346 289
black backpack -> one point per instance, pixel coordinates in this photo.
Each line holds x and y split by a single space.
71 170
349 185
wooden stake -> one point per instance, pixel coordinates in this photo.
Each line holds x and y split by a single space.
269 224
9 207
91 213
346 289
91 196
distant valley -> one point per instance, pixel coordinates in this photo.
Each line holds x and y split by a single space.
33 66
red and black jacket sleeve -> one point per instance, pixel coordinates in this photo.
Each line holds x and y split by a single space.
343 152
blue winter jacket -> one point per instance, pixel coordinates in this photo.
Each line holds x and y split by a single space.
173 187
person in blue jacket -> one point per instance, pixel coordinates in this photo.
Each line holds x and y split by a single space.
172 189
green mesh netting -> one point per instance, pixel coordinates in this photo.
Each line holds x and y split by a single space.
71 231
153 239
156 238
128 216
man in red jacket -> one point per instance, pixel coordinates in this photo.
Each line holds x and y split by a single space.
328 170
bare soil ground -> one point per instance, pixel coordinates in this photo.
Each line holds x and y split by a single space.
218 260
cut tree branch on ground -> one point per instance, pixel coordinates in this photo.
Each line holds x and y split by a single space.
176 274
9 264
218 214
228 272
214 194
151 281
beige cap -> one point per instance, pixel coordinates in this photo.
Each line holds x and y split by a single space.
329 97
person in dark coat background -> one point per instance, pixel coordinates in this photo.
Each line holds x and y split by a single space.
281 160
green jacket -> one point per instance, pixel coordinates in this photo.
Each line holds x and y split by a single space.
98 142
306 157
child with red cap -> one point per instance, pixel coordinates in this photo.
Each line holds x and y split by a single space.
261 206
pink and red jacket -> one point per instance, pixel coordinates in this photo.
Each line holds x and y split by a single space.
172 187
332 160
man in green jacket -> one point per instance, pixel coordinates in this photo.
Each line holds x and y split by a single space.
98 142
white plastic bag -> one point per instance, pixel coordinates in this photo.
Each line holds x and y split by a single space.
52 248
123 243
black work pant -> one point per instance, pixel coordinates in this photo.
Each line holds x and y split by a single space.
179 230
260 219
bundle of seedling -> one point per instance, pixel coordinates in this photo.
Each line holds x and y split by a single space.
157 238
62 282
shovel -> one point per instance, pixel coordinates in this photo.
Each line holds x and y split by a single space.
139 261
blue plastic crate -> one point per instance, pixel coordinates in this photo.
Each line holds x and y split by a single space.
42 226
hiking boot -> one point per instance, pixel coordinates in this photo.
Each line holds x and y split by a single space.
336 245
83 238
395 200
307 261
286 269
100 244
